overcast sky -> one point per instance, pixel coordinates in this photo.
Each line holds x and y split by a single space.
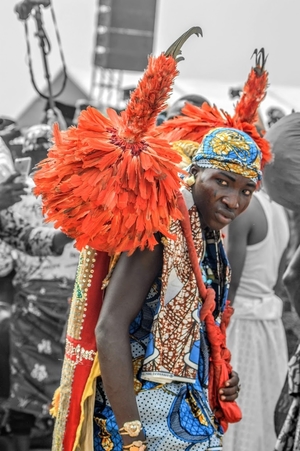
232 30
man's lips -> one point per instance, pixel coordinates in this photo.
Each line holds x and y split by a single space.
225 217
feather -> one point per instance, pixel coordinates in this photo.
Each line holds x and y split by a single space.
115 181
196 121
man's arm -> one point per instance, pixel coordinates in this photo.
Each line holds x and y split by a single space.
124 297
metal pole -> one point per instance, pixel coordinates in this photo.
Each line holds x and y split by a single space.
45 49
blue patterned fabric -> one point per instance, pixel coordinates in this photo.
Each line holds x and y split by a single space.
175 416
231 150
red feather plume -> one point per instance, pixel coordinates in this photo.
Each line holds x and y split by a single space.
197 121
109 183
254 92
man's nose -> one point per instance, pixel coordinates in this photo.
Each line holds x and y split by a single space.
231 201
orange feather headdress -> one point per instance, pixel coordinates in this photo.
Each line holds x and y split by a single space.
110 183
196 122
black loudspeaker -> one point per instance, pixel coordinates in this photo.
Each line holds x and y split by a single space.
125 31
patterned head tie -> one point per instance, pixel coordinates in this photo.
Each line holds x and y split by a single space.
231 150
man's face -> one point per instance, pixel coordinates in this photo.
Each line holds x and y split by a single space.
220 196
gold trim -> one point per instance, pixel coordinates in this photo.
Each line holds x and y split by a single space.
78 352
64 403
83 281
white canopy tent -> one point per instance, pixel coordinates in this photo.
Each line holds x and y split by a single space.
286 98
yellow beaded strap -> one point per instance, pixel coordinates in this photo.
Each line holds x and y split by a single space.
131 428
136 446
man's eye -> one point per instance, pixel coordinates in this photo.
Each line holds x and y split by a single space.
248 192
222 182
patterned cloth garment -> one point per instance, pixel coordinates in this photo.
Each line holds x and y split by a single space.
175 415
6 162
45 267
36 346
6 260
43 287
16 232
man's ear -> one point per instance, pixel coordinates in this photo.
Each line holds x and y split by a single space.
194 169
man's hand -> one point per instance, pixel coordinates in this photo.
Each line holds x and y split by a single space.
11 192
232 387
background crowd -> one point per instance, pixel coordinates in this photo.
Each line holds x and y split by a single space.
36 291
38 267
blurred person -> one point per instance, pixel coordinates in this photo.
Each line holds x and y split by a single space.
288 427
6 298
274 114
42 288
176 108
291 280
6 162
185 148
35 240
290 318
283 185
9 130
161 117
257 246
53 116
11 191
13 229
80 105
18 233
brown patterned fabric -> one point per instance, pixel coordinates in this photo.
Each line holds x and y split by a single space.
176 325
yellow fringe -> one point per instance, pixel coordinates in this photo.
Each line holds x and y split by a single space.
84 435
55 403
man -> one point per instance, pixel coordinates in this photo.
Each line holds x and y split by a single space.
217 197
154 262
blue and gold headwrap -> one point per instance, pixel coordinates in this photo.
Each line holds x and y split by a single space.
231 150
230 142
